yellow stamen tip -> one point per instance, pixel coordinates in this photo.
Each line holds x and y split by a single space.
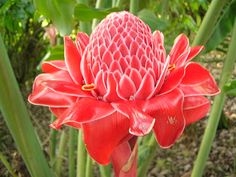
88 87
171 67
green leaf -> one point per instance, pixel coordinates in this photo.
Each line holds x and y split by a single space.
151 19
222 28
59 11
85 13
17 118
230 88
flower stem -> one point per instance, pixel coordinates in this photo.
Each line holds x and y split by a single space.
4 161
99 4
18 121
217 107
134 6
61 150
81 156
89 169
72 147
52 142
118 3
105 171
84 26
152 145
209 21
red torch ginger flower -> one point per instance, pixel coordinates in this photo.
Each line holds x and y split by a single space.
119 84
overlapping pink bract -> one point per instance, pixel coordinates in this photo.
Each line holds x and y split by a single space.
119 84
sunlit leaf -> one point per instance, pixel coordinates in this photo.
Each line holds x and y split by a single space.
223 27
85 13
59 11
151 19
230 88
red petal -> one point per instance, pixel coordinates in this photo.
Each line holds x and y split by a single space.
198 81
170 121
57 111
72 60
100 83
194 52
162 77
47 97
158 40
55 76
181 44
101 137
53 66
85 110
67 88
146 87
82 40
173 80
181 60
111 94
126 87
124 160
195 108
140 123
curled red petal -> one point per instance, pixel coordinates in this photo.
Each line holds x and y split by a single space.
140 123
67 88
58 111
173 80
102 136
124 160
53 66
198 81
195 108
194 51
181 44
72 60
85 110
47 97
168 112
55 76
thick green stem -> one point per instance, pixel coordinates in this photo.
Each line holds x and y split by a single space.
134 6
18 121
4 161
99 4
209 21
52 143
113 3
152 144
89 167
72 147
216 109
84 26
81 156
60 155
105 171
164 7
118 3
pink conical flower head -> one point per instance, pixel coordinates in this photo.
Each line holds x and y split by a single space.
124 60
